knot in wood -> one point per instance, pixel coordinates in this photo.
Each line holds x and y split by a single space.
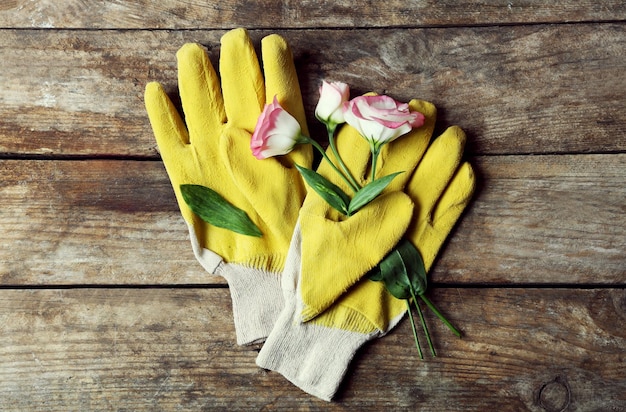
554 396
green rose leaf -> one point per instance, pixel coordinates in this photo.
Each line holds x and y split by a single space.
375 274
327 190
370 192
211 207
402 271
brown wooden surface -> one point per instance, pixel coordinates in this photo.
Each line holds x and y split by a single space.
537 219
103 307
180 14
109 349
515 89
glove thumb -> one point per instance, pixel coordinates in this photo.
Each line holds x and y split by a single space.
336 255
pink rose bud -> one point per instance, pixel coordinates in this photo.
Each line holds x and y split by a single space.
332 97
276 132
380 119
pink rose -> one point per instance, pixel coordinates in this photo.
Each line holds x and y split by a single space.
332 97
276 132
380 119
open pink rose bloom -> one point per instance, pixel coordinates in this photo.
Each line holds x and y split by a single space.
380 119
276 132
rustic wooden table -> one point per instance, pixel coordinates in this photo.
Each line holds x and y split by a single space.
103 306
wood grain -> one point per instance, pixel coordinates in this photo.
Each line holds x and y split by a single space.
103 306
515 90
542 219
535 219
102 349
94 222
178 14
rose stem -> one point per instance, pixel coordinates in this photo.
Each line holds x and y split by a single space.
323 152
417 342
375 152
333 147
440 316
419 311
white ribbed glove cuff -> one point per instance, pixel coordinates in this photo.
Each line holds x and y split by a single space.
315 358
256 294
257 301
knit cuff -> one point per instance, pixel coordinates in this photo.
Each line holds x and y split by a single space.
256 294
257 301
313 357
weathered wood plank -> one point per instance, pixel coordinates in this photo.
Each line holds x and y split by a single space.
92 222
519 89
177 14
162 349
543 219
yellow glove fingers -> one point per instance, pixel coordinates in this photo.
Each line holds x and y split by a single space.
281 80
435 171
457 194
242 83
172 139
271 190
404 153
169 130
433 233
200 93
335 256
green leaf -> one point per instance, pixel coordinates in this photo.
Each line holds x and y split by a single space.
375 274
369 192
402 270
328 191
211 207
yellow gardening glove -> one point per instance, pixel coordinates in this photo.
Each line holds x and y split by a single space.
315 355
441 188
333 244
212 148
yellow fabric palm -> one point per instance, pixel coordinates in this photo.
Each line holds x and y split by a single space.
211 147
315 355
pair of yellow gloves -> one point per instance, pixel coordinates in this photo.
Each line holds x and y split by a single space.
301 287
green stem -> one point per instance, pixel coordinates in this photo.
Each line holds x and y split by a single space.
419 311
375 153
439 315
320 149
417 342
331 141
